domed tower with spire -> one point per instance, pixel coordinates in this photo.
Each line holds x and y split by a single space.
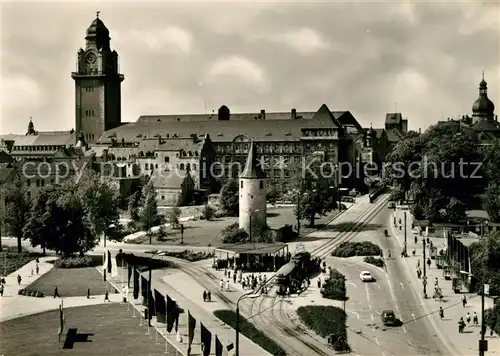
31 129
253 193
97 84
483 108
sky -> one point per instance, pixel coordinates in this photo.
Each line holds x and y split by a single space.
423 59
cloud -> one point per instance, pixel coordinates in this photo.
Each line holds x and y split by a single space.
304 40
236 66
171 39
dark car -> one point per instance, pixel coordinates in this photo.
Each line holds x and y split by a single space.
388 317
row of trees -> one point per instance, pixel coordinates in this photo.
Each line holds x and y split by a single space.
314 191
445 170
68 218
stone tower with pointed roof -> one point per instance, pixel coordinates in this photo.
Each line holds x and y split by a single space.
97 84
252 199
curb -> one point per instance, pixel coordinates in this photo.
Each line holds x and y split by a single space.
449 346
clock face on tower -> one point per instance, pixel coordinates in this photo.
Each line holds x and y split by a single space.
91 57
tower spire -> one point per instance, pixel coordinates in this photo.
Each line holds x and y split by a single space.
97 14
483 75
253 167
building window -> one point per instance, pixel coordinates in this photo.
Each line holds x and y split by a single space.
188 166
38 182
194 167
241 184
182 166
156 166
42 182
28 182
167 159
261 184
162 197
51 181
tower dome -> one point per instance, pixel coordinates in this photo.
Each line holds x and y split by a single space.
98 33
483 107
372 133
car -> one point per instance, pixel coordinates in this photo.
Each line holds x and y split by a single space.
388 317
366 276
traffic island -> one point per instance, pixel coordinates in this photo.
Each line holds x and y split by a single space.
250 331
328 322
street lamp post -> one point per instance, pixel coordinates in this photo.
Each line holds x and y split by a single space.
406 244
250 295
425 271
105 269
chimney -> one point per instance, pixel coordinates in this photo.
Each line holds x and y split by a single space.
419 130
160 140
123 142
294 114
263 114
113 142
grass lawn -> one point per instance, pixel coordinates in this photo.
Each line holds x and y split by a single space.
11 261
204 233
71 282
110 327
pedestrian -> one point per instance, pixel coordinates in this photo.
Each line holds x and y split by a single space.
467 317
19 279
56 292
37 260
441 313
204 295
436 282
429 262
461 325
2 280
413 252
1 290
227 285
319 283
106 296
37 269
221 283
475 319
415 239
209 296
234 278
418 264
32 272
228 274
88 293
464 300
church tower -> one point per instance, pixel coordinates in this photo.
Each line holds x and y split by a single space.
483 108
97 84
252 189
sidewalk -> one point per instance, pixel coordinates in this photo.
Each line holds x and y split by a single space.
13 305
187 292
446 329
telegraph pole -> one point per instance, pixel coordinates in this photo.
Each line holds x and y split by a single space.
483 344
105 269
425 272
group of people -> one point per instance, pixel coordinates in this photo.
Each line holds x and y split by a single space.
253 263
207 296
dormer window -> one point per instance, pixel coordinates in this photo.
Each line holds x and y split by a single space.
288 134
268 134
190 154
220 134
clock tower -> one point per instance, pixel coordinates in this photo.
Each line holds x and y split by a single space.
97 84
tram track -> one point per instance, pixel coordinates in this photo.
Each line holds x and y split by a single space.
288 331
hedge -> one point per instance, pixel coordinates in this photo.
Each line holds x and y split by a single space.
492 318
326 321
191 256
30 293
350 249
78 262
250 331
11 261
374 261
334 286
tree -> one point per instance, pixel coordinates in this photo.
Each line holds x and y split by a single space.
229 198
17 208
133 206
397 194
172 216
438 170
491 201
491 197
272 194
148 214
485 261
316 192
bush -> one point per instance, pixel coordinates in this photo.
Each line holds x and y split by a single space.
350 249
233 234
30 293
326 321
374 261
207 212
75 262
250 331
161 235
334 286
492 318
172 216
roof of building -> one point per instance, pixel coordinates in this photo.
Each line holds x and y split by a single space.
393 118
55 138
379 132
224 130
187 144
394 135
253 167
215 117
254 249
486 125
